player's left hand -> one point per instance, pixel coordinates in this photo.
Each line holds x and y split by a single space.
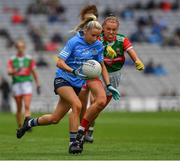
38 90
139 65
110 52
115 93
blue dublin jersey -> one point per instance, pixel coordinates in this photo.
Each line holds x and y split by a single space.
75 53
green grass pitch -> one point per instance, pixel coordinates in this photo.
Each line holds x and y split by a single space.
131 136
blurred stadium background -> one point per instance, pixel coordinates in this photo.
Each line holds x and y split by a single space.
152 26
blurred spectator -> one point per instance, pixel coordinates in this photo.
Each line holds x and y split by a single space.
139 35
164 93
155 38
51 46
176 5
53 8
36 38
138 5
159 70
127 13
173 40
165 36
5 95
57 38
41 62
158 27
56 6
151 5
145 20
5 34
18 18
149 67
39 7
167 93
56 12
53 17
165 6
55 42
174 92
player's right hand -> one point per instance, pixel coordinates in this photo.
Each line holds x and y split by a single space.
110 52
78 73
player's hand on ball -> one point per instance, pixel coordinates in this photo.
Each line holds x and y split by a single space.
115 93
78 72
110 52
139 65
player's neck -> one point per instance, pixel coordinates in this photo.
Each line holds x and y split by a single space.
20 54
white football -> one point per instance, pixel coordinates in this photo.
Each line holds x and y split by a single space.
92 69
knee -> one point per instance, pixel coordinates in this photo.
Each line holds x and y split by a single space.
76 107
101 103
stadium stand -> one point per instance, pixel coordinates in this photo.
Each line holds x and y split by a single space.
134 83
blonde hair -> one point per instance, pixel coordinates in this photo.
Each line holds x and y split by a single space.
88 23
112 19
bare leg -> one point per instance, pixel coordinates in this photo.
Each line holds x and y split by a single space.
27 102
68 99
61 109
99 103
83 96
18 100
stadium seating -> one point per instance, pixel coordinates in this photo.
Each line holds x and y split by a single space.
134 83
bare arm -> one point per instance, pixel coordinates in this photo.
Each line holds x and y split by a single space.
61 64
138 63
35 76
132 53
10 70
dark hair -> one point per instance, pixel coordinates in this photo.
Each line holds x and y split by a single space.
89 9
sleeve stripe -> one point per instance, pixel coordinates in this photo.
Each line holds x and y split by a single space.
129 48
63 53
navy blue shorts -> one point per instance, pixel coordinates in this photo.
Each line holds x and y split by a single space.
60 82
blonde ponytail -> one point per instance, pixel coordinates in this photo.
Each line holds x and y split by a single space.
89 22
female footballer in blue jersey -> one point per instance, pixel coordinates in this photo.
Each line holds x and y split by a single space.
69 79
110 30
99 98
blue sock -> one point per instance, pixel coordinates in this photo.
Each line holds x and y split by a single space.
72 136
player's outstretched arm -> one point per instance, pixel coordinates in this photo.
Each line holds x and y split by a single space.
138 63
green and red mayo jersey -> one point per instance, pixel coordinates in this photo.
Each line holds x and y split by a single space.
24 66
120 44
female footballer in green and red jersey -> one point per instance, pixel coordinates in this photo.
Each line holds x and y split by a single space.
22 67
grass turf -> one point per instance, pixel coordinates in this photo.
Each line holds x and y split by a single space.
131 136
